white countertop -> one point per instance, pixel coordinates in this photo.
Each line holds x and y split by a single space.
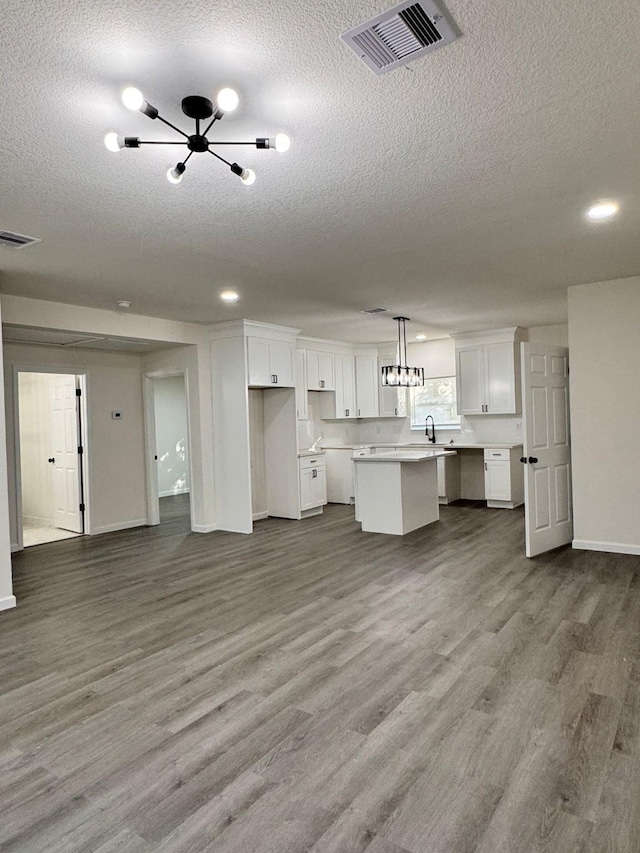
302 453
462 445
405 456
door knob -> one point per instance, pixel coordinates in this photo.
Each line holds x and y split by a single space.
523 459
533 460
52 459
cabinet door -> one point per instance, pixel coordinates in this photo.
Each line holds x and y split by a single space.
366 386
327 371
497 480
281 364
345 386
302 410
499 372
313 488
470 380
258 356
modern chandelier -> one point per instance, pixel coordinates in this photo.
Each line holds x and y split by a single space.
201 110
401 374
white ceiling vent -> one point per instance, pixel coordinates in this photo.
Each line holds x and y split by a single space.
402 34
16 241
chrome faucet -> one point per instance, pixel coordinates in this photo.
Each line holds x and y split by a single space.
432 437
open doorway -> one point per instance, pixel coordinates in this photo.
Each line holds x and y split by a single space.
50 442
167 428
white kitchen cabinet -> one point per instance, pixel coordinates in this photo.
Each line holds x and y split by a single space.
488 372
392 401
503 478
302 407
367 381
313 484
270 363
320 371
448 479
341 404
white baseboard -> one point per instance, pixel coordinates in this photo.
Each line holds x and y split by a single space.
8 602
258 516
173 492
611 547
125 525
203 528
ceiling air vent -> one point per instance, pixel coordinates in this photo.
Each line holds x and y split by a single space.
16 241
374 311
401 35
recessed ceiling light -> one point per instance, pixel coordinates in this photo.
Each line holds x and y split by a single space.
123 304
229 296
603 210
421 337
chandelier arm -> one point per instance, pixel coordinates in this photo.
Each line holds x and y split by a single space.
184 162
162 142
210 125
173 127
231 143
219 157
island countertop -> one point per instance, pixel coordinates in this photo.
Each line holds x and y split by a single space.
404 456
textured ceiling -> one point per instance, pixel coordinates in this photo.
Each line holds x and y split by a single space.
452 191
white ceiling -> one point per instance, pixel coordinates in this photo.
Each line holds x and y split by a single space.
452 192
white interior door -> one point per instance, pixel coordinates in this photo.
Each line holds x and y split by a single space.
547 480
64 453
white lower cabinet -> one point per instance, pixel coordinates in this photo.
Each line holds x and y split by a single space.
340 483
313 484
503 478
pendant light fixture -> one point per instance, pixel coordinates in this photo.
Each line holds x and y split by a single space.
401 374
200 110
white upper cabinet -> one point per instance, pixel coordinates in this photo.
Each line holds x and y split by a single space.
488 372
392 400
342 403
302 407
367 381
320 371
270 363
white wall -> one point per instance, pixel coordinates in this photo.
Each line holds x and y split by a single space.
257 448
556 335
171 435
7 598
117 490
604 341
36 448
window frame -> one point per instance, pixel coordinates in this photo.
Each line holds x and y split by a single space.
446 426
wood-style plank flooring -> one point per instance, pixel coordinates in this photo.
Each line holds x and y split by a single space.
314 688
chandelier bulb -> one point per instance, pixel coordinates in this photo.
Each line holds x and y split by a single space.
227 100
132 98
248 177
113 142
281 142
174 175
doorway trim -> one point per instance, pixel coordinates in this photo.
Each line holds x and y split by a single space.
83 379
151 467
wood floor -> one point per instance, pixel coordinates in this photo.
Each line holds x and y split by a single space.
314 688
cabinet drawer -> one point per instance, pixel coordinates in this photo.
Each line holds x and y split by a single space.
311 462
497 454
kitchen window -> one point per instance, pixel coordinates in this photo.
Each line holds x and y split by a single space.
437 397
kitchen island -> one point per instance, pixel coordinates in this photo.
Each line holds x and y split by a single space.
397 491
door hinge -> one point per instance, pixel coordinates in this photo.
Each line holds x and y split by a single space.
82 507
78 392
81 450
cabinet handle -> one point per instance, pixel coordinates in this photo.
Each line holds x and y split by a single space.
358 412
346 413
485 467
395 411
322 383
314 473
